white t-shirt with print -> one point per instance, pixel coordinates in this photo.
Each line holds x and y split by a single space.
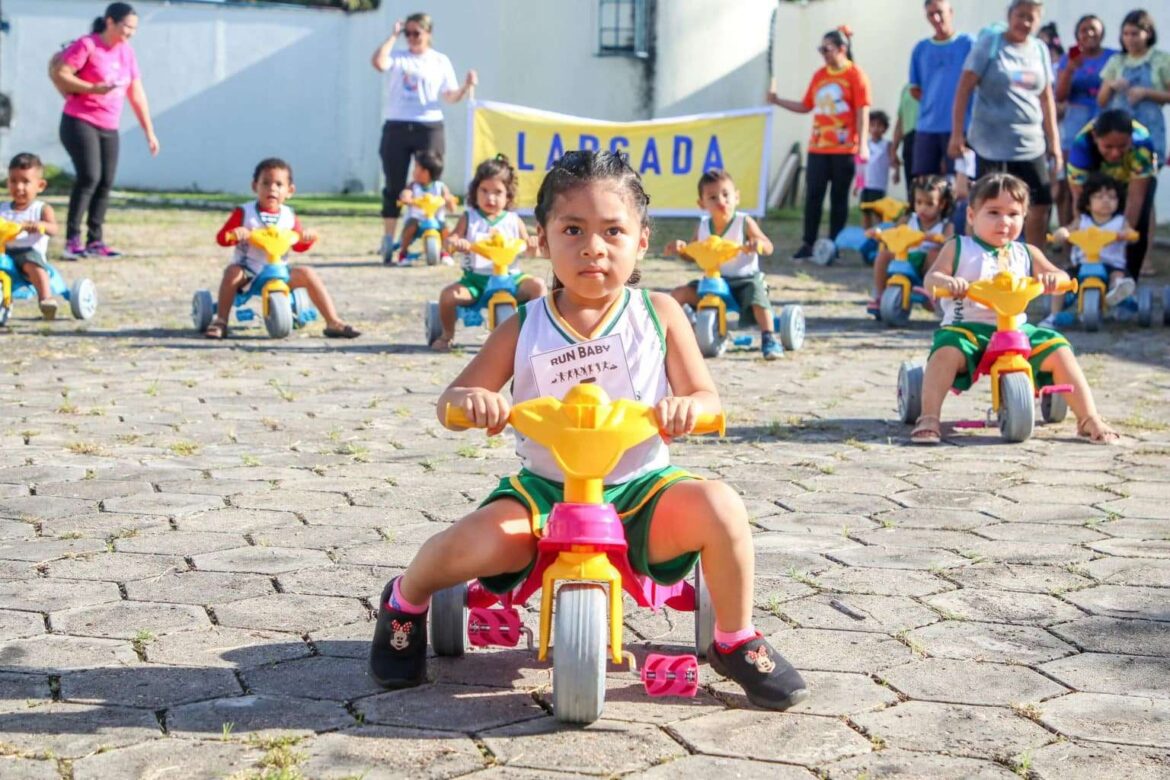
415 84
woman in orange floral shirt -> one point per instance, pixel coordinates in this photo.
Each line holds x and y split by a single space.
838 98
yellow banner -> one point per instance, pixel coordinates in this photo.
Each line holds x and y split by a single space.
670 154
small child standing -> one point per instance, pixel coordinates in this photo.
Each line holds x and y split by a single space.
490 198
29 250
594 228
932 208
874 180
1100 204
428 167
999 203
272 181
719 197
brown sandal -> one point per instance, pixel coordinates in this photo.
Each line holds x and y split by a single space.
218 329
441 344
1103 433
927 431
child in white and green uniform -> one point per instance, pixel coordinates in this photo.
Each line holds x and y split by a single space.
592 212
490 196
995 217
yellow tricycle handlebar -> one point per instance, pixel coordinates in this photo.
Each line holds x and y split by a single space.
501 251
8 231
887 208
428 203
712 252
274 241
902 239
1006 294
586 433
1093 240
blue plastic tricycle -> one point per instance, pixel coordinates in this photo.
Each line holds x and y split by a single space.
81 295
283 308
499 298
856 237
903 280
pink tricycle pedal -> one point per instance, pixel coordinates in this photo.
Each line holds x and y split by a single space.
670 675
494 627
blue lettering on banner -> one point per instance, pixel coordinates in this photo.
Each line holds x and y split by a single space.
679 164
521 164
556 150
714 158
650 158
619 143
589 143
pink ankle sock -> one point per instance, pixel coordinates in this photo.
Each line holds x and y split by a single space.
726 640
398 602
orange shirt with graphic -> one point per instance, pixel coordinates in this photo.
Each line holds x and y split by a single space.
834 96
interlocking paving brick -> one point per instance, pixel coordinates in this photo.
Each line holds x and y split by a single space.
904 763
255 716
28 769
199 587
170 504
169 757
149 686
382 753
43 595
839 651
261 560
1101 717
69 730
1123 602
1133 675
601 747
125 619
1003 606
1016 577
230 647
801 739
116 567
718 766
970 682
998 642
1094 760
1113 635
54 653
19 691
17 625
975 732
336 679
290 612
450 708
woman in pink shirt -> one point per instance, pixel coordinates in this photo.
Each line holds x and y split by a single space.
98 72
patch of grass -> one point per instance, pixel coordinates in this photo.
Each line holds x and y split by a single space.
358 452
427 464
86 448
70 535
227 731
284 393
129 438
468 451
803 577
1139 422
270 424
1022 766
141 639
67 408
184 449
905 638
152 389
250 460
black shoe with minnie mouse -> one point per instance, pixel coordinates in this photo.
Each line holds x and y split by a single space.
765 676
398 654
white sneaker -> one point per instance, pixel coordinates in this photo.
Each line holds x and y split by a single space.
1120 290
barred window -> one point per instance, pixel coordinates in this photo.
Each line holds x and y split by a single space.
623 28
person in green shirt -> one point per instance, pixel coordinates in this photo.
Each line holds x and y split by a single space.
902 145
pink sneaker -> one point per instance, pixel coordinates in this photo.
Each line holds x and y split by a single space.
99 249
74 250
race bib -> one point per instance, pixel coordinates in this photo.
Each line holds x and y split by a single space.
600 361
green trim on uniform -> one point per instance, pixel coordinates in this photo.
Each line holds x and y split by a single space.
476 284
972 338
491 221
917 259
654 319
958 255
635 502
522 313
618 316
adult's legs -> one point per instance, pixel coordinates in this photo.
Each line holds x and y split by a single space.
841 172
108 151
816 181
81 141
1135 253
908 162
400 142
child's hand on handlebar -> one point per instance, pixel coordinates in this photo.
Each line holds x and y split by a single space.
677 415
1050 281
309 236
457 244
674 247
957 286
33 226
1060 237
241 234
486 409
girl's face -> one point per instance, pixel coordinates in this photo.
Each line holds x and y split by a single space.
928 206
720 197
1134 39
1113 146
999 220
491 196
834 55
417 38
124 30
421 174
594 239
1089 36
1103 204
1024 20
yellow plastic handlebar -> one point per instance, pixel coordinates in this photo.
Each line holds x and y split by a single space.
8 231
1093 240
586 433
428 203
712 252
1006 294
901 239
274 241
887 208
501 251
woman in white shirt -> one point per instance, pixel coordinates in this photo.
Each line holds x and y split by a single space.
418 79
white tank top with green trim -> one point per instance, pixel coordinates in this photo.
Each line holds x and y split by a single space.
914 223
507 224
973 261
634 324
30 213
417 190
745 263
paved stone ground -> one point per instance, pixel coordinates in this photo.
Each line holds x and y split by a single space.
193 533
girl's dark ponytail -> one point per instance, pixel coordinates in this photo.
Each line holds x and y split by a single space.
115 11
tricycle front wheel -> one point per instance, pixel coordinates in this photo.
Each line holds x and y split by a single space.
449 620
1017 409
579 639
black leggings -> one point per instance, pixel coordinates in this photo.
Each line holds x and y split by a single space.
94 152
1135 253
400 142
833 172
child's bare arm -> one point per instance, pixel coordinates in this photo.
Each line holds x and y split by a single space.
477 388
690 381
457 241
1045 272
449 197
756 238
47 224
939 275
677 246
533 247
406 196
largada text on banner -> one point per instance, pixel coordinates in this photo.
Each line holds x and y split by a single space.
670 154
